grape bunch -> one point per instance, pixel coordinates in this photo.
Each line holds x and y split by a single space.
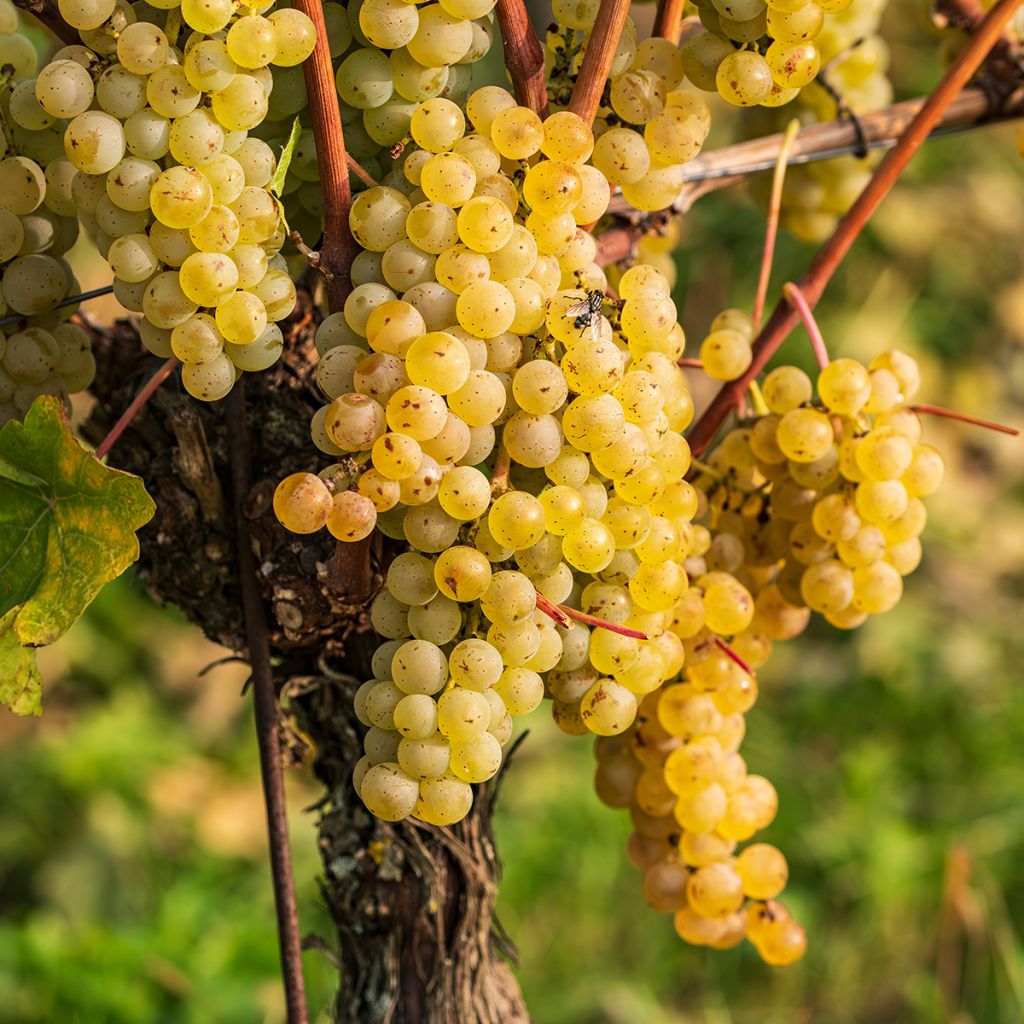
388 57
511 415
813 506
648 126
758 52
848 477
40 352
501 324
166 179
674 771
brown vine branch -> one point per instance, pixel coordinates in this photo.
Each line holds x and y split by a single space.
668 19
499 475
881 129
597 61
46 12
832 253
144 395
524 57
337 250
265 708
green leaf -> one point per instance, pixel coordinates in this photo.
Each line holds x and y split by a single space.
281 172
21 686
67 527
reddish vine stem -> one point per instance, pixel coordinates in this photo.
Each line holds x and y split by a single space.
552 611
337 250
597 61
952 414
733 656
147 391
668 19
693 364
524 57
771 231
593 620
46 12
266 713
796 299
830 256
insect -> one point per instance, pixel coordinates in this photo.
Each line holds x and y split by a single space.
587 312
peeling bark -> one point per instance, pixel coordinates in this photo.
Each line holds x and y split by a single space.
413 904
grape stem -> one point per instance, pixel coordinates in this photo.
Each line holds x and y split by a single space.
951 414
693 364
359 171
733 656
499 476
337 249
812 284
267 716
591 620
524 57
795 297
144 395
668 20
553 612
771 231
597 61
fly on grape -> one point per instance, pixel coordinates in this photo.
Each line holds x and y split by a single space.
587 312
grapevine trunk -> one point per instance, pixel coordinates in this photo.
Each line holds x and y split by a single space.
413 905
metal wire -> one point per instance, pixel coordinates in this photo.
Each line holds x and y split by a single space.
71 300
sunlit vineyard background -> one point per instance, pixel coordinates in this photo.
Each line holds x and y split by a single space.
133 874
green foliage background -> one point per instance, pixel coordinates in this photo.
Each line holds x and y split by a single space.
133 881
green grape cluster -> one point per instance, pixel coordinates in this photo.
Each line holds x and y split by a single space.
168 183
848 477
758 52
648 126
813 506
388 56
512 415
499 349
401 55
40 352
816 195
691 801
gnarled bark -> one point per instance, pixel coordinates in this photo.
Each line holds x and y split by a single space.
413 904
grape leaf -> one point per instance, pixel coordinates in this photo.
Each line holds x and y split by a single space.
285 160
21 686
67 527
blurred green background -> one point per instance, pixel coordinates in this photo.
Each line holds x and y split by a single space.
133 878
